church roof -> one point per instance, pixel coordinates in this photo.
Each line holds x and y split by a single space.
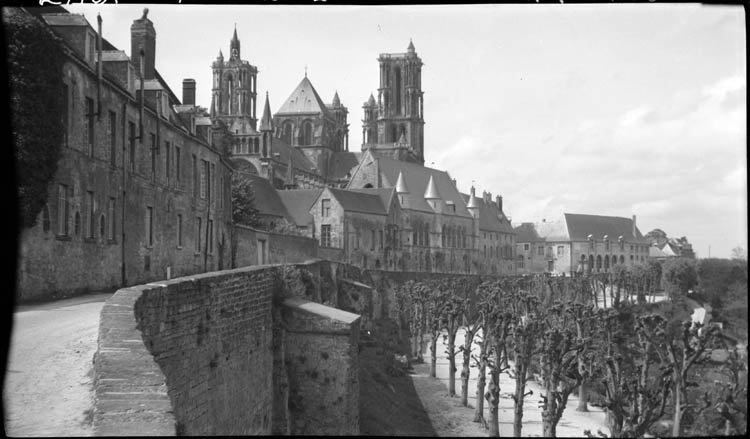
297 202
299 160
491 218
341 163
385 194
304 99
360 201
416 178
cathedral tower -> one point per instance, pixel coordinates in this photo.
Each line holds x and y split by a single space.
234 97
400 118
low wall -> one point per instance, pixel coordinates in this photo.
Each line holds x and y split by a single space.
213 354
279 248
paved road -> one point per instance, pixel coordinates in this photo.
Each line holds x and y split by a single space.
48 383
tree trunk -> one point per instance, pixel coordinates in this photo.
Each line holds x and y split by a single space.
420 352
520 372
433 353
452 361
466 370
583 398
481 382
677 410
493 397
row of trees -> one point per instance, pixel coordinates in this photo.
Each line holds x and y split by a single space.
557 328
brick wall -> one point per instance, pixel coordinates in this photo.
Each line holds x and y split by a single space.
212 355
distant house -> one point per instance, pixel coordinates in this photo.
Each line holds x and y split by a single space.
298 203
579 243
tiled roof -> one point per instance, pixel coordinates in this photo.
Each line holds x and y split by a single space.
527 233
385 194
114 55
304 99
359 201
267 199
342 163
299 161
580 226
66 19
417 177
490 217
298 202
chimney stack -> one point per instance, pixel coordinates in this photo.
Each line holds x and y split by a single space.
188 91
634 235
143 35
499 200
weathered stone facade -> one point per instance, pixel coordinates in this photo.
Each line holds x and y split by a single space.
123 208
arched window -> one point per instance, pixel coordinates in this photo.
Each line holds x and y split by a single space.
306 137
606 263
394 134
256 145
397 88
443 235
102 226
598 262
287 132
45 218
622 259
590 268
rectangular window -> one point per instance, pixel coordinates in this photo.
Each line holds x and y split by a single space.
112 138
195 176
149 226
179 230
131 142
167 160
66 113
198 227
325 235
178 172
325 207
89 214
526 247
153 156
204 168
90 126
111 216
210 236
212 183
560 250
540 250
381 239
221 192
372 240
62 210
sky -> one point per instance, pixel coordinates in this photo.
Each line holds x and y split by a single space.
606 109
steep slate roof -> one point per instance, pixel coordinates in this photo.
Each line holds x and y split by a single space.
385 194
298 202
527 233
304 99
417 177
359 201
267 199
299 160
342 163
489 216
580 226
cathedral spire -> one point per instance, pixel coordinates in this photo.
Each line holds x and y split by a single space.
410 49
336 100
235 44
266 123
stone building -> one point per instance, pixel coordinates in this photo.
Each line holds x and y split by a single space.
579 243
495 238
140 192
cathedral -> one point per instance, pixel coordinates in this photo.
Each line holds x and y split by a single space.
379 207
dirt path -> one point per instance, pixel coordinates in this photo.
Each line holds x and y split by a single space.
47 389
449 418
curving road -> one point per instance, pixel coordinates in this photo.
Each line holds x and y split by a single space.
48 384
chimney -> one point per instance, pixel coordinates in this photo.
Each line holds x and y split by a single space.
142 34
634 235
499 200
188 91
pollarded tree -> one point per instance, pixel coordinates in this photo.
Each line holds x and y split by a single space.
560 349
455 303
499 319
435 306
524 333
484 308
472 324
635 374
